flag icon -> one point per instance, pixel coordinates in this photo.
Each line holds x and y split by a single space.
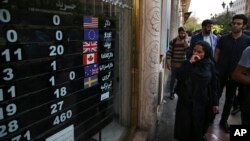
91 35
90 22
90 58
90 70
90 81
89 47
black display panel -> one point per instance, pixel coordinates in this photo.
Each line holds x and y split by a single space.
56 70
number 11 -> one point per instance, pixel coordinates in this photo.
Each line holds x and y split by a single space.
11 90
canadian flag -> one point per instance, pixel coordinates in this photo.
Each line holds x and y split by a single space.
89 58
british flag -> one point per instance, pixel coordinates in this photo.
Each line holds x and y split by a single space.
90 46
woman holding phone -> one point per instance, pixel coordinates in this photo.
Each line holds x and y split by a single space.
197 94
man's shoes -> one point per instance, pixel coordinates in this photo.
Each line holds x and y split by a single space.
171 97
235 111
225 126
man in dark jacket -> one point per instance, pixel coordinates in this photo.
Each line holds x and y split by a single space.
227 56
205 35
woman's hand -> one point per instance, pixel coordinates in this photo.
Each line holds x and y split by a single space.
194 58
215 109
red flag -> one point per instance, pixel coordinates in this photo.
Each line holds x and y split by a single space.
89 58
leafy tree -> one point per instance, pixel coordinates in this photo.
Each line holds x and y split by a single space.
217 29
224 20
248 23
192 24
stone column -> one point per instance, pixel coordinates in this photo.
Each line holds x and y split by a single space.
149 64
175 18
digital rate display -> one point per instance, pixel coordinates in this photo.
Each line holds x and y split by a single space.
56 71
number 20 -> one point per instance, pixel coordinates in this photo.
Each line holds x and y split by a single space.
56 50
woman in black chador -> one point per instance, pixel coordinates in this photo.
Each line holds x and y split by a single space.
197 95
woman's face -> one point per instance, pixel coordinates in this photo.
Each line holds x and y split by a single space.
198 50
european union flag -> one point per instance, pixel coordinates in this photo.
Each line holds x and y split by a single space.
90 70
90 81
91 35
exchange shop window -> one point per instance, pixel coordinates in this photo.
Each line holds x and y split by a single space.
57 68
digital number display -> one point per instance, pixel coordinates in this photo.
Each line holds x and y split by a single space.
57 70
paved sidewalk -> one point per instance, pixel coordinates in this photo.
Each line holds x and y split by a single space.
166 124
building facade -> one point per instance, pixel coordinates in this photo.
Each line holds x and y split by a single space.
79 69
241 7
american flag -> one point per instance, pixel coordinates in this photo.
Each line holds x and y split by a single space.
90 47
90 22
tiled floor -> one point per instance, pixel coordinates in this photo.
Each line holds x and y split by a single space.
166 124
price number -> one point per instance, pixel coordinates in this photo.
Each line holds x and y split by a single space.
5 15
56 107
22 137
9 55
62 117
10 92
10 127
8 74
10 110
60 92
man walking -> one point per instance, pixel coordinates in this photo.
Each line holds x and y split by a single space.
176 55
205 35
242 75
228 53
